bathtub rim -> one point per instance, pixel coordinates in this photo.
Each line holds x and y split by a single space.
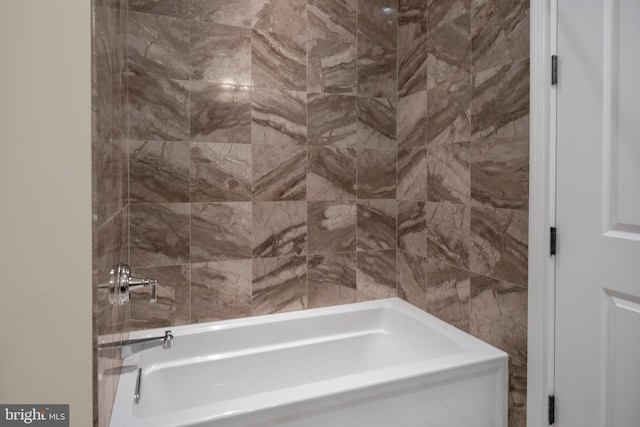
475 358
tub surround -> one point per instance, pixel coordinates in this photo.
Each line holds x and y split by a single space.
261 156
463 111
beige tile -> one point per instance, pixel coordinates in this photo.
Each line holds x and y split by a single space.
412 279
220 231
412 227
173 305
332 227
499 244
220 290
449 174
332 279
448 236
448 293
279 229
376 224
279 285
376 275
499 314
500 173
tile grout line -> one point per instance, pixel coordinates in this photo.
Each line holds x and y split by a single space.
306 197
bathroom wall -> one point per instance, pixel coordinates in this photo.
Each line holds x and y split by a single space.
110 197
262 155
291 154
463 170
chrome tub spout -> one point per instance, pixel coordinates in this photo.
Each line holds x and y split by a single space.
124 349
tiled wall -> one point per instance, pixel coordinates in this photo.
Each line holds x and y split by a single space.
463 131
110 199
290 154
262 155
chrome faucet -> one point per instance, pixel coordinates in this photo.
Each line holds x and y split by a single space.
121 283
124 349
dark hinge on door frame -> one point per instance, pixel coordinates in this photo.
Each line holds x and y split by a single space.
553 241
552 410
554 70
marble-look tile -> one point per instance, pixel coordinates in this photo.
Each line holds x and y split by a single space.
500 173
109 179
158 172
332 19
376 174
517 393
332 227
110 246
159 234
332 279
449 175
173 305
279 229
412 279
106 75
278 117
220 231
220 53
449 113
332 173
377 71
220 290
448 52
376 225
158 109
412 120
280 16
220 172
279 173
115 4
412 227
377 118
378 22
278 61
499 315
331 120
499 244
158 46
177 8
448 293
220 113
412 62
331 66
412 174
279 285
448 233
412 15
376 275
412 51
440 12
226 12
500 30
500 102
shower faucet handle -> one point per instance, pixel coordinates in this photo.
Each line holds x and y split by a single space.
139 282
121 283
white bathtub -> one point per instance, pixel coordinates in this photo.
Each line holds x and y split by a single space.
381 363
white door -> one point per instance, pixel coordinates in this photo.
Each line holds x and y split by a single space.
598 214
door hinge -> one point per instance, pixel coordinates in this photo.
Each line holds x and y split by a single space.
552 410
553 241
554 70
